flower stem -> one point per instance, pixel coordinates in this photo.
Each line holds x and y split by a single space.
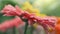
26 25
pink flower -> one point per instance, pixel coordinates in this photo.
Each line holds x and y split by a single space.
16 11
50 20
11 23
47 22
9 10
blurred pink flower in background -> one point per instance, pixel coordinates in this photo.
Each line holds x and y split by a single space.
11 23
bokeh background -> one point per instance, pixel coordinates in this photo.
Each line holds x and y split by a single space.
48 7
